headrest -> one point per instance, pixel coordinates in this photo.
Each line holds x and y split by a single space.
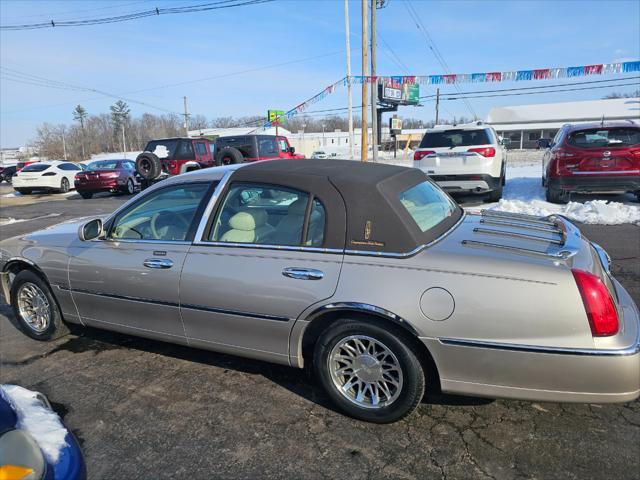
248 220
299 207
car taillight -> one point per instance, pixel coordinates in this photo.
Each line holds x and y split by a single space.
485 152
601 312
49 174
421 154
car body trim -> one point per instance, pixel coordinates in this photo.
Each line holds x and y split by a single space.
606 172
362 307
177 305
632 350
204 219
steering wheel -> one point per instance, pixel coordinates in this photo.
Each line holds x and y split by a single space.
165 218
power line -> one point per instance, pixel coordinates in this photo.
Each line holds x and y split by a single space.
52 14
30 79
433 47
203 7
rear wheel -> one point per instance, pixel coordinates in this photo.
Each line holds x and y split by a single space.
35 308
64 185
496 194
556 195
369 372
86 195
130 188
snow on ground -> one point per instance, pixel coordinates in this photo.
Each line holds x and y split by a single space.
10 220
523 193
42 424
113 156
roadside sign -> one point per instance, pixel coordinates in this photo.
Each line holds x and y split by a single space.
275 116
412 93
395 125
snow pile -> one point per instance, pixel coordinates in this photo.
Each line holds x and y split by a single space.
7 221
12 195
42 424
523 193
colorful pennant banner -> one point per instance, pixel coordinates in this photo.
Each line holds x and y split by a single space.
485 77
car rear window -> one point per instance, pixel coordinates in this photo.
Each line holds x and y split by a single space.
456 138
427 205
36 167
104 165
605 137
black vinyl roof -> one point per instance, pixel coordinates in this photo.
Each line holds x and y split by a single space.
367 194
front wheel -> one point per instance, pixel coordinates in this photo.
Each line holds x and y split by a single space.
130 188
555 195
35 308
86 195
369 372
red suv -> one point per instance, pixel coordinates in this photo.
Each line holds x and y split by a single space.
592 158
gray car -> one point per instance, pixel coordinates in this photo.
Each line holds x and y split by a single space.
369 274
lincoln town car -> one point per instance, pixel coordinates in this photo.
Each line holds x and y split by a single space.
368 274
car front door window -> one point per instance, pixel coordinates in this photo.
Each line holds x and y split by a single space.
165 215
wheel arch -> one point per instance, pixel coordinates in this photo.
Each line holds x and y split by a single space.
324 317
15 265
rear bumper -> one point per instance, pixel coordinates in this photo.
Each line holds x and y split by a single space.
596 183
525 372
466 183
97 186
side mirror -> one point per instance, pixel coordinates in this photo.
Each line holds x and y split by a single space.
292 150
90 230
544 143
505 141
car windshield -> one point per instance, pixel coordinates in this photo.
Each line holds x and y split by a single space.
105 165
455 138
162 148
36 167
605 137
427 205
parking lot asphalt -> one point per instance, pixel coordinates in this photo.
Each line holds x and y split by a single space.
148 410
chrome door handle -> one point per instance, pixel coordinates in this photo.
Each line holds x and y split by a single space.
158 263
303 273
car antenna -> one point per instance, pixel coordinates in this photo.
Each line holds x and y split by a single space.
602 121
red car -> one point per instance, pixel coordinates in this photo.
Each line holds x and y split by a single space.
107 176
599 157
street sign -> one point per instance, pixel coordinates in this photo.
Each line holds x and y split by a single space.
411 93
395 125
399 93
275 116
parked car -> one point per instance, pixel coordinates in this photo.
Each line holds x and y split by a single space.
173 156
54 176
253 148
34 444
319 154
601 157
21 165
6 173
117 176
465 158
368 273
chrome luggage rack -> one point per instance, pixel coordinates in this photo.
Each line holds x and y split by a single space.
564 234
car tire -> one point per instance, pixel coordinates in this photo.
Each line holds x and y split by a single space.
129 188
555 195
402 366
35 308
148 166
64 185
229 156
86 195
495 195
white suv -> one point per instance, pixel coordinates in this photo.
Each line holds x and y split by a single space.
466 158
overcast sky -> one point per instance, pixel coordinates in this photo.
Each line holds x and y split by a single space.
132 58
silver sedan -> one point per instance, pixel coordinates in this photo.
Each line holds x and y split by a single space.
369 274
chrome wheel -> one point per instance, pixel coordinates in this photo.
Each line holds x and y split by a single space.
365 371
33 306
130 187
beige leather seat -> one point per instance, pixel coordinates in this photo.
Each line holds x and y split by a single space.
289 230
248 226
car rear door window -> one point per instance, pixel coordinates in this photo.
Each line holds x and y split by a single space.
165 215
269 215
201 149
68 166
267 147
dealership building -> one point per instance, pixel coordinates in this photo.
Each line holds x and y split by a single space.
525 124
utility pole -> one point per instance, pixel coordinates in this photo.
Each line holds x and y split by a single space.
64 146
374 84
365 65
186 117
350 108
437 105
